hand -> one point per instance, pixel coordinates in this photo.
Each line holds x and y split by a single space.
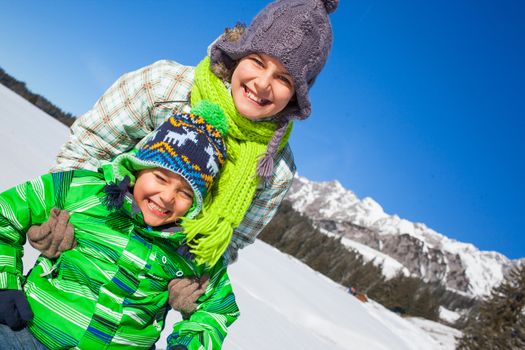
185 291
14 309
54 236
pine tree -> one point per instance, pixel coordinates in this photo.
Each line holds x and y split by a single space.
500 321
425 305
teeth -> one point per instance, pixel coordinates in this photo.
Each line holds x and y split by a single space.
254 98
155 207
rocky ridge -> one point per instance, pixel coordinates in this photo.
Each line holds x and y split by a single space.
420 250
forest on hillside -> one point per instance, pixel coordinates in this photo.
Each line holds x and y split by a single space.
38 100
295 234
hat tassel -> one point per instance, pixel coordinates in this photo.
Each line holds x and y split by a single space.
115 193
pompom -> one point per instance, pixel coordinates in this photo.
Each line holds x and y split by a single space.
213 114
115 193
265 166
233 34
330 5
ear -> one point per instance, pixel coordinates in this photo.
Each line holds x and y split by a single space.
223 73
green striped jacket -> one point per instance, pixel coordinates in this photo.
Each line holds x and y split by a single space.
110 292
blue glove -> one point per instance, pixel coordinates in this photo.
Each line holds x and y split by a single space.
14 309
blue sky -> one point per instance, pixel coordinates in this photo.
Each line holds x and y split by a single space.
420 105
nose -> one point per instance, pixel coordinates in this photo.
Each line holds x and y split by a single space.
263 81
168 197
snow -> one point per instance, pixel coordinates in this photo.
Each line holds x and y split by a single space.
445 337
390 267
29 137
483 269
284 304
448 315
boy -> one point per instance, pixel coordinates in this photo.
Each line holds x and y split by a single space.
111 290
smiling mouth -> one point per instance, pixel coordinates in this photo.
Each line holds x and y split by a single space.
157 210
252 97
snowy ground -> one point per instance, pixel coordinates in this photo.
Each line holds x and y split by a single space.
284 304
29 139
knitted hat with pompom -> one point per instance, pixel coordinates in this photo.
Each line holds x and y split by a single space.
296 32
190 145
299 34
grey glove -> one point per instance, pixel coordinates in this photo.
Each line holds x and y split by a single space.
185 291
54 236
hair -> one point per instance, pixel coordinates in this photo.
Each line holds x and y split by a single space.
231 34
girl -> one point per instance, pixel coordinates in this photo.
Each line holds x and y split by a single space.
260 76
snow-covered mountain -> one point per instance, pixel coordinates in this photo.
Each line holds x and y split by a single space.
398 244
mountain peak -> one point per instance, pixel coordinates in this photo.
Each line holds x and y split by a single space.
423 251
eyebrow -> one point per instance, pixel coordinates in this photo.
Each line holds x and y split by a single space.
280 71
287 74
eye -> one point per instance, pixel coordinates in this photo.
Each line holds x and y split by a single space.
285 79
160 177
187 194
257 61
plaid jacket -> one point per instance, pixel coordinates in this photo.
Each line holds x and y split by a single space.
134 106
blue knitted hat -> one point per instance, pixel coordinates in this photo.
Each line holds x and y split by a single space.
190 145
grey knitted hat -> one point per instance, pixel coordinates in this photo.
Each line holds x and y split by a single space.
296 32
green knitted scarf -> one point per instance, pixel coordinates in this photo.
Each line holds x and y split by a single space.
209 234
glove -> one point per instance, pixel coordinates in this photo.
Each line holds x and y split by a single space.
14 309
183 292
54 236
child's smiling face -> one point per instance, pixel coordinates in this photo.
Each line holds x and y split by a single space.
162 196
261 86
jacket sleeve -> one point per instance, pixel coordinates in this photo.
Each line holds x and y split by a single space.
207 327
131 108
265 203
20 207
